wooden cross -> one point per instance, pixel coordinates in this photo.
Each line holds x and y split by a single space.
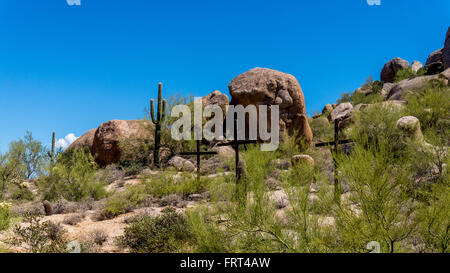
198 153
334 149
235 144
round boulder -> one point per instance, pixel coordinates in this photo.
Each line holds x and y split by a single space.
86 140
110 136
391 68
263 86
410 126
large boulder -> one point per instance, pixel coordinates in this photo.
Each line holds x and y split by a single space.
404 87
446 50
435 57
217 98
341 112
386 89
391 68
86 140
262 86
110 137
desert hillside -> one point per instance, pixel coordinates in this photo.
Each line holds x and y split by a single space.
370 167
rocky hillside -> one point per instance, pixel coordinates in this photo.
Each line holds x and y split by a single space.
387 181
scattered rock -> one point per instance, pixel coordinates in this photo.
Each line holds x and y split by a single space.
412 85
410 126
416 65
195 197
302 159
359 107
86 140
391 68
225 151
181 164
280 199
366 90
342 111
110 135
262 86
282 164
273 184
386 89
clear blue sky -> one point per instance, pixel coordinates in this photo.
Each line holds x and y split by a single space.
70 68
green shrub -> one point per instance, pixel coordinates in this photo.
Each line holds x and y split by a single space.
379 184
168 232
39 237
123 202
408 73
73 178
5 215
165 185
431 106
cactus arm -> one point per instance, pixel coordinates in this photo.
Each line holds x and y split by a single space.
158 114
163 113
152 111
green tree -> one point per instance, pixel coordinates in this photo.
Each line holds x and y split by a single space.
30 154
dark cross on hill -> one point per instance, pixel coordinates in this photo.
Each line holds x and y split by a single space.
235 144
334 149
198 153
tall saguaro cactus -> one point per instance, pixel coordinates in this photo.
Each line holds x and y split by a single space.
160 116
52 157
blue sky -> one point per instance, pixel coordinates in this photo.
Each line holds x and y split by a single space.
70 68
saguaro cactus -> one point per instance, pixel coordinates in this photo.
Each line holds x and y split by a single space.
52 155
160 116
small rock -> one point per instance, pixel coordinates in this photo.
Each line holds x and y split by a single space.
411 127
302 159
280 198
416 65
273 184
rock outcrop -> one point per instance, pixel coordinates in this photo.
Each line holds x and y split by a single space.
217 98
109 137
262 86
446 50
86 140
400 89
391 68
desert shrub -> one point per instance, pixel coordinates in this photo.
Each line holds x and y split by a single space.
98 236
376 124
21 192
9 172
385 210
357 98
136 155
109 174
168 232
321 129
5 215
73 220
408 73
72 178
123 202
432 107
39 237
434 218
166 185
